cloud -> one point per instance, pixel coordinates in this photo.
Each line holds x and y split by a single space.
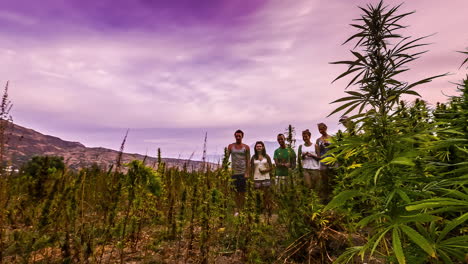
137 80
15 18
170 64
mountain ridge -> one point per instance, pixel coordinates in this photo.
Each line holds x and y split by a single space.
24 143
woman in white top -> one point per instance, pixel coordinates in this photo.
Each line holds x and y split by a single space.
261 167
309 162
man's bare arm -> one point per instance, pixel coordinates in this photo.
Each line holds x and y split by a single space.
247 161
229 150
317 148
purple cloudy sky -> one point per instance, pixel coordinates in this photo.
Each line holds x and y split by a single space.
169 70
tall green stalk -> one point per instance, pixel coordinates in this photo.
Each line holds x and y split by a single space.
381 168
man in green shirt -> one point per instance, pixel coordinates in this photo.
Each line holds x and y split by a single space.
285 159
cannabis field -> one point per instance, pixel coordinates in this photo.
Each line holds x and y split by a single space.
399 182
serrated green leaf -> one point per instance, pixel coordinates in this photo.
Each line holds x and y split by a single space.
354 93
365 221
403 196
412 93
397 248
344 106
426 80
377 173
341 198
419 240
345 73
347 98
451 225
436 202
402 161
377 241
422 218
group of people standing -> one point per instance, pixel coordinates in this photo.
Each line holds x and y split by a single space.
260 165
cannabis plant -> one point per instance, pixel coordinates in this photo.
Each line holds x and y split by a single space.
381 55
383 165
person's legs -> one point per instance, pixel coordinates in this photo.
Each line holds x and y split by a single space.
324 188
278 183
316 182
257 184
258 196
307 178
267 200
239 184
281 182
263 198
240 199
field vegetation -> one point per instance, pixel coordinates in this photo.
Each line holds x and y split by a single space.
400 195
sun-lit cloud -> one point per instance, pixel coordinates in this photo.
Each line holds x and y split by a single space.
219 65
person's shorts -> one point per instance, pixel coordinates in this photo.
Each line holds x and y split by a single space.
281 180
323 166
239 182
314 174
262 183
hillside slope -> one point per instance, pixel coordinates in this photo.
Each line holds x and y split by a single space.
24 143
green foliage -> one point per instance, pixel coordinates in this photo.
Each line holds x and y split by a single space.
40 166
38 171
103 216
380 62
291 136
400 192
6 122
405 164
140 178
466 59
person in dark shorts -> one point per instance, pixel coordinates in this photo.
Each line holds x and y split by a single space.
240 163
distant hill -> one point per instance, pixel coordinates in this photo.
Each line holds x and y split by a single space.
24 143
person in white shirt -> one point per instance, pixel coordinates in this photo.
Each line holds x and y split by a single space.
308 160
262 167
